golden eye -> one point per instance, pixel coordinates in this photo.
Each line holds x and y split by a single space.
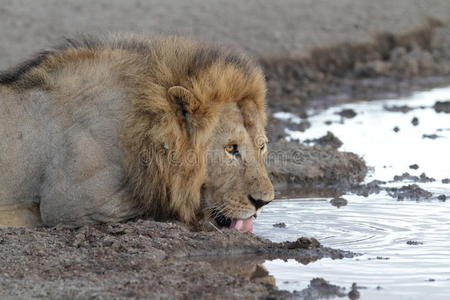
232 149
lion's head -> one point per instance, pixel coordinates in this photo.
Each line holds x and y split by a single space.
199 118
237 185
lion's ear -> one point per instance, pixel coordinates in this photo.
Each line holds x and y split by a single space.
182 96
186 104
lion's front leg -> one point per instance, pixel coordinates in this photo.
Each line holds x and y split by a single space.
20 216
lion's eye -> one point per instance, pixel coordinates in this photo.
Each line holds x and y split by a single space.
232 149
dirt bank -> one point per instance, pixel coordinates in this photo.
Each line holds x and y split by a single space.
291 28
387 66
294 165
142 259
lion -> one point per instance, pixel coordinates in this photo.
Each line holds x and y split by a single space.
115 127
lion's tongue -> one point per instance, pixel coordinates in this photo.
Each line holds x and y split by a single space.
243 225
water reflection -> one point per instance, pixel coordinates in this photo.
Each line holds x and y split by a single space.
255 268
405 243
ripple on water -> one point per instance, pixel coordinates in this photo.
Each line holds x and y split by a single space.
378 226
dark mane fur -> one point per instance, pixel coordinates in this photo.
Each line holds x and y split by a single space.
204 57
12 75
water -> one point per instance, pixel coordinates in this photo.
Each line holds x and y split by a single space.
378 226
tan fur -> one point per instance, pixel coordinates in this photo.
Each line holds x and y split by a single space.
125 126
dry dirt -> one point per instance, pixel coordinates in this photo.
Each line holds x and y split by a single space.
266 28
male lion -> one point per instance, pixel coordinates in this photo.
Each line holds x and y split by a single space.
104 129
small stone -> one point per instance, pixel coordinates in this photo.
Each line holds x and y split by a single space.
279 225
446 181
328 140
414 166
394 108
442 197
354 294
431 136
412 191
414 243
382 258
425 178
347 113
396 129
442 106
338 202
415 121
303 243
405 176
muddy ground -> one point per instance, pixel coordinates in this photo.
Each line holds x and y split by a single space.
315 54
144 259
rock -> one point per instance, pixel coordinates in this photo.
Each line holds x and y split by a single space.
347 113
328 140
414 166
302 243
338 202
365 190
280 225
442 197
442 106
406 176
396 129
431 136
302 126
319 288
414 243
395 108
413 192
415 121
424 178
354 294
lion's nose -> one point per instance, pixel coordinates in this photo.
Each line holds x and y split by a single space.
257 203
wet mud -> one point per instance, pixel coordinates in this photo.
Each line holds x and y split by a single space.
406 176
411 192
142 259
405 192
294 165
252 268
328 140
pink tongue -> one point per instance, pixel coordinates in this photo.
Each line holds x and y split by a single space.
243 225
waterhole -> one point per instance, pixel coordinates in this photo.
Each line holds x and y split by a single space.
404 245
